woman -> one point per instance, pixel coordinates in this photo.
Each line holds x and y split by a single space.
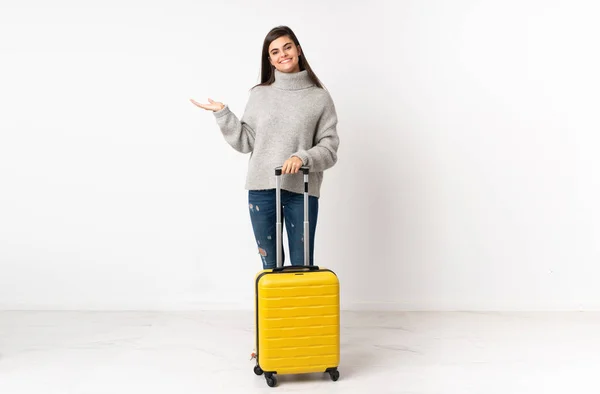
289 121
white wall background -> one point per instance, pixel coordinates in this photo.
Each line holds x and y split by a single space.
468 170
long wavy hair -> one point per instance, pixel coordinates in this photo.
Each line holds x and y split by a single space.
267 75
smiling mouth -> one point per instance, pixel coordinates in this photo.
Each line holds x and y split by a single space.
285 61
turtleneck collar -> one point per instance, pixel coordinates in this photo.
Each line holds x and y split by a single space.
292 81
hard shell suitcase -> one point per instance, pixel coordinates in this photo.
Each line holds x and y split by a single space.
297 312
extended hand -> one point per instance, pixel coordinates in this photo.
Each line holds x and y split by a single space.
291 165
213 106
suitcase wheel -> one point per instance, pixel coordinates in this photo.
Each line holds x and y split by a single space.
334 374
271 381
258 370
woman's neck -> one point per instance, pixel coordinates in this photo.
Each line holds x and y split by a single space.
292 81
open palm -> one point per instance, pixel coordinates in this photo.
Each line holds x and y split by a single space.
212 106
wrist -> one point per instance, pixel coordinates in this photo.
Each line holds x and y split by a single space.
299 159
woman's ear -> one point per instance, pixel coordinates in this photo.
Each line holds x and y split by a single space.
299 50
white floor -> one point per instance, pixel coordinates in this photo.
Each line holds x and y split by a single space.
208 352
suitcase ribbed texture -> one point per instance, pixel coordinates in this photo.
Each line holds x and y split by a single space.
298 321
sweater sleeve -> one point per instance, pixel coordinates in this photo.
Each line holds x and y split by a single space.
323 154
238 133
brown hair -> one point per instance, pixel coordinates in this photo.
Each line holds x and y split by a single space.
267 76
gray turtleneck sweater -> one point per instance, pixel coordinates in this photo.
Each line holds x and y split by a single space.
291 117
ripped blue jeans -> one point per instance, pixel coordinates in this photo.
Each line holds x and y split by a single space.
264 222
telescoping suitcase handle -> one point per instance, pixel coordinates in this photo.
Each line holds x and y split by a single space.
280 267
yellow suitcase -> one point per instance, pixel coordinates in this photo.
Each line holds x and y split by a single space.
297 313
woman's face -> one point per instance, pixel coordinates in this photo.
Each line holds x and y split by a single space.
283 55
